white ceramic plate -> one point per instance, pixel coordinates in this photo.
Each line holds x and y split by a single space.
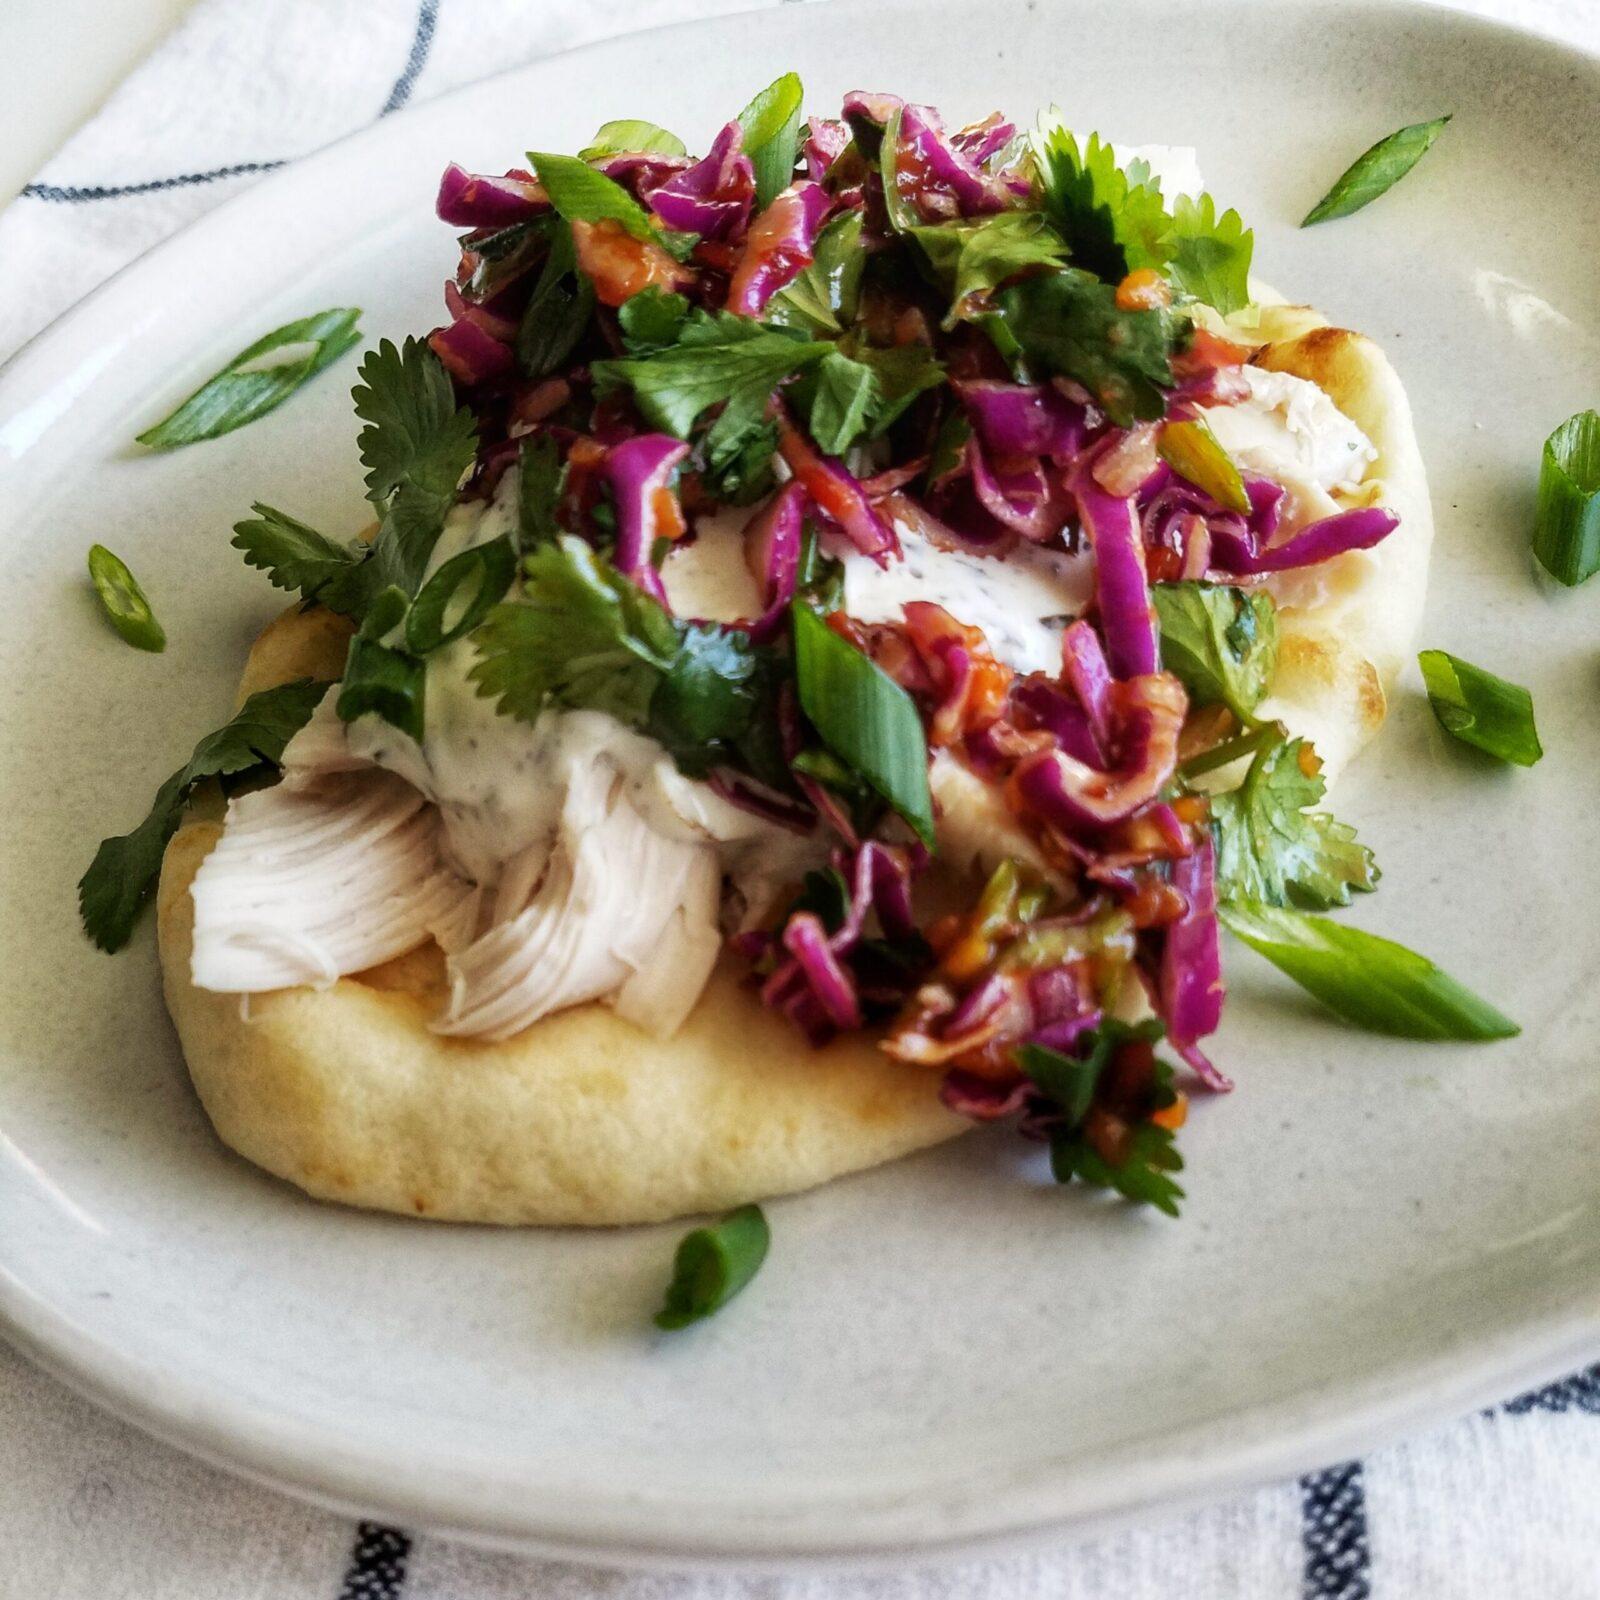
949 1351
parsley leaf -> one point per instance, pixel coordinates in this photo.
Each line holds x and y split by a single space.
844 394
901 374
651 320
1210 254
1272 850
1222 642
298 558
971 257
416 447
123 874
1068 324
258 379
822 297
584 637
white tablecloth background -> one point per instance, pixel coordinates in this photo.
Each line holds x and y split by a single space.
1501 1505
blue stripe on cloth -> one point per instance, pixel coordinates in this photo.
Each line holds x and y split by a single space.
421 41
377 1569
75 194
1333 1509
1580 1392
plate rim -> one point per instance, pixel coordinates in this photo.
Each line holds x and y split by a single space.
296 1458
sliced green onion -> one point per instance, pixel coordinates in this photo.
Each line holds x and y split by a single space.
581 194
1566 532
1374 983
1376 171
627 135
123 601
466 588
864 717
1192 450
1480 709
771 124
712 1265
258 379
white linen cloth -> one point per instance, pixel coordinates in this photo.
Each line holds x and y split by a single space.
1504 1503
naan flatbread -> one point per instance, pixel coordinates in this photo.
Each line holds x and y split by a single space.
583 1119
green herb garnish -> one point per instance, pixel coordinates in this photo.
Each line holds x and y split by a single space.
1192 451
712 1265
822 298
628 136
1375 171
1480 709
383 679
1272 850
123 601
1566 533
123 874
459 596
559 310
971 257
580 194
258 379
1373 983
1143 1172
771 124
864 717
298 558
1222 642
1068 324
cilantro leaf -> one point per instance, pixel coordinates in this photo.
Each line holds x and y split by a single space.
298 558
558 311
1222 642
719 359
1272 850
582 636
416 447
628 135
383 680
541 475
1111 217
259 379
1068 324
822 298
971 257
123 874
1210 254
1070 1086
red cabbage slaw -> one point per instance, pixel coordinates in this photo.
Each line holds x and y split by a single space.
1121 895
